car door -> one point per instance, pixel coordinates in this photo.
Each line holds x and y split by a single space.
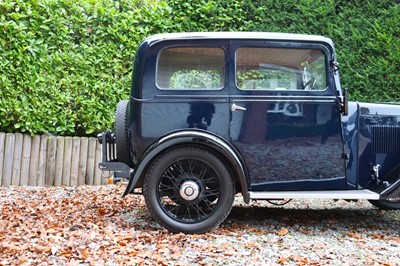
285 117
184 87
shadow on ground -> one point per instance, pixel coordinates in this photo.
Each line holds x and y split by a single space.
361 219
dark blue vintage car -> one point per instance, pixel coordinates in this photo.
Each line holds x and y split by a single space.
261 114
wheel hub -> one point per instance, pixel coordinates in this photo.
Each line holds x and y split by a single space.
189 190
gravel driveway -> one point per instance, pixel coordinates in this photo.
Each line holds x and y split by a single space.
93 225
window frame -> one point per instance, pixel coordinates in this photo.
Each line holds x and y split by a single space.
284 45
223 75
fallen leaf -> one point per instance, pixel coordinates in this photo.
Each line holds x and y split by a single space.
354 235
282 260
283 231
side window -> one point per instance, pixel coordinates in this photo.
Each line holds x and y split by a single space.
280 69
191 68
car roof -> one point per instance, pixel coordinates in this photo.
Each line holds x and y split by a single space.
270 36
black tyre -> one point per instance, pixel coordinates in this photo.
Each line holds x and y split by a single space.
393 204
125 153
189 189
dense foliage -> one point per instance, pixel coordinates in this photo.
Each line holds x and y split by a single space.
65 64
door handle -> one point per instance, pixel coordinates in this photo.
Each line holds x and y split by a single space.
237 107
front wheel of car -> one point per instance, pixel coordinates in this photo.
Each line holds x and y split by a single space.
189 189
391 204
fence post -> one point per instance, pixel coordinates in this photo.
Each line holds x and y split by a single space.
33 167
66 165
83 156
59 162
91 161
16 172
8 159
2 143
26 159
41 175
97 172
75 161
51 161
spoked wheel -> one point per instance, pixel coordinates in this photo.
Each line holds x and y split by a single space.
189 190
391 204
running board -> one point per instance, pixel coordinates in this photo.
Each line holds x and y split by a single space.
326 194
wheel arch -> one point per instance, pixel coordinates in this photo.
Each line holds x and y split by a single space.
225 151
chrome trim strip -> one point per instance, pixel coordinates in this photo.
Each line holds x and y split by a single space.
326 194
234 97
179 98
243 99
284 100
243 36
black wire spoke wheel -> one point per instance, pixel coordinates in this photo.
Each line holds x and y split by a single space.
189 190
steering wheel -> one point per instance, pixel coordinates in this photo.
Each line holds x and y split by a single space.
310 84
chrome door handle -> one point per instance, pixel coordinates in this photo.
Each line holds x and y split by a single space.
237 107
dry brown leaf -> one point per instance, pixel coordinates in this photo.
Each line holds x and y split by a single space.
282 260
378 236
85 254
229 253
161 261
283 231
354 235
102 211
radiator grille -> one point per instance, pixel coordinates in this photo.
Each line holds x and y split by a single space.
385 139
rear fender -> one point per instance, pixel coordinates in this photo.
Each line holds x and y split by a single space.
224 149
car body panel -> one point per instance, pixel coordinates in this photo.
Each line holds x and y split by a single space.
282 139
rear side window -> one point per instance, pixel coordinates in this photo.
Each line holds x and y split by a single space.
263 68
191 68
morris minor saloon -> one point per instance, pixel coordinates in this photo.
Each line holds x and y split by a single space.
211 115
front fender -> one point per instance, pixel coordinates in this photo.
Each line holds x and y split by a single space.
228 153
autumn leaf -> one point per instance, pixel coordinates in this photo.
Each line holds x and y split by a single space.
282 260
102 211
283 231
354 235
85 254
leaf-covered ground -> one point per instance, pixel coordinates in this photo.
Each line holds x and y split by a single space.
94 225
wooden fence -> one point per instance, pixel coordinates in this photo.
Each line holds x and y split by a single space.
49 161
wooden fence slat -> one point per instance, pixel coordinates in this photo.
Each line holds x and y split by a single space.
33 167
97 171
41 175
59 162
91 161
16 173
66 172
2 144
51 160
83 155
75 161
8 159
26 158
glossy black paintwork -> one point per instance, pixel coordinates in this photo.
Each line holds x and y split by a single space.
320 150
357 132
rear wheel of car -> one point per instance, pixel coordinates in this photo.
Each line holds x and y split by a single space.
125 153
189 189
392 204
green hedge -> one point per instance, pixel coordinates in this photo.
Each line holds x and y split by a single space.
65 64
